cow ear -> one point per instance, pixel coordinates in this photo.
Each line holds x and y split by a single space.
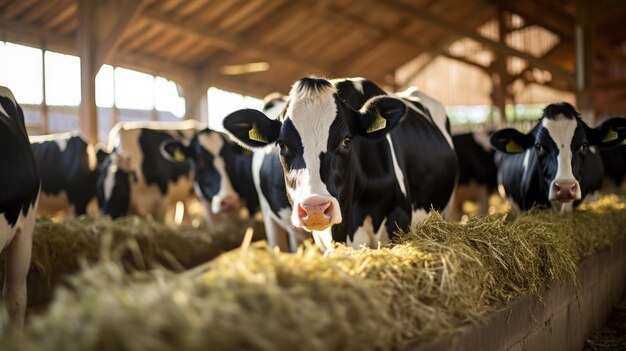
511 141
378 116
610 133
174 151
252 128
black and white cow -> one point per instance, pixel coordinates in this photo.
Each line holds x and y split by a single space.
69 171
477 171
222 171
349 174
19 192
137 179
153 168
552 165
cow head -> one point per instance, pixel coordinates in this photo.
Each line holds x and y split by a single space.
209 153
560 141
114 184
314 133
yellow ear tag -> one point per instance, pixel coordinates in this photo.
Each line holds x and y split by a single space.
513 147
610 136
255 135
378 124
178 155
623 142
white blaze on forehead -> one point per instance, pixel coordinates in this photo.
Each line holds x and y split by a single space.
109 181
312 113
213 143
561 131
118 161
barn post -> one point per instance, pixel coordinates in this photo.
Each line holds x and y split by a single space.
85 46
499 79
584 61
100 28
196 101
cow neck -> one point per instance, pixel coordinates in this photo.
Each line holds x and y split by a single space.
363 184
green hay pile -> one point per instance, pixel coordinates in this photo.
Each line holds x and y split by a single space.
438 278
58 248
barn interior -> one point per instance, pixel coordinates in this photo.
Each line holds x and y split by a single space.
131 283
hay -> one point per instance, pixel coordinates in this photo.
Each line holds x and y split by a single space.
436 279
58 248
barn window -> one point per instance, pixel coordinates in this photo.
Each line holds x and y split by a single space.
104 86
133 90
62 79
20 71
167 98
222 102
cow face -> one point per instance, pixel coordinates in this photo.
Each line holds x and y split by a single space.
209 154
560 142
314 134
114 185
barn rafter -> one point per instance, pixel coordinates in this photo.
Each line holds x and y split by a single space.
193 41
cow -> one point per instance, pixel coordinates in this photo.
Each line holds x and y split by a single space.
136 178
350 175
19 194
552 166
477 171
69 167
152 168
222 171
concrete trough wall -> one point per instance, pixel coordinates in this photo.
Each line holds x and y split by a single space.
560 322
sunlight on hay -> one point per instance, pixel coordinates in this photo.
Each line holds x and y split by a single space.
438 277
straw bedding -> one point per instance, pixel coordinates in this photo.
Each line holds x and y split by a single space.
438 277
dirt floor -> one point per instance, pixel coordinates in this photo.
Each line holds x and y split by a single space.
613 335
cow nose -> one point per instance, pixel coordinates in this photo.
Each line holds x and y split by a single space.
229 203
565 189
315 213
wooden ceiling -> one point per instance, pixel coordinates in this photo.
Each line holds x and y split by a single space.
191 41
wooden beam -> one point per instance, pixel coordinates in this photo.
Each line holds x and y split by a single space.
126 12
499 48
555 20
85 44
476 18
488 70
235 43
513 78
609 83
499 89
584 60
32 36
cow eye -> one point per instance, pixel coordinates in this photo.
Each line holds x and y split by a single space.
538 147
584 147
284 149
345 143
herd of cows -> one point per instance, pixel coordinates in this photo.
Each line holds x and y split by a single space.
340 160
